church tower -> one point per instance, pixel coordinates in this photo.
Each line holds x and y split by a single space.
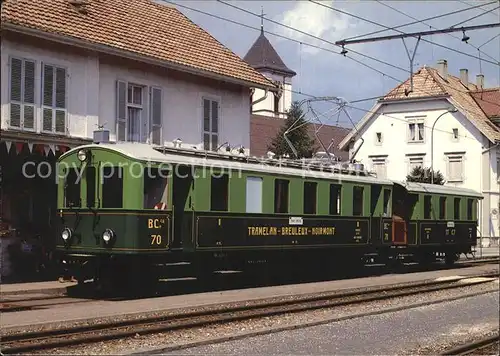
264 58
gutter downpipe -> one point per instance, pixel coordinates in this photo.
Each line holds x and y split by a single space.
261 99
496 145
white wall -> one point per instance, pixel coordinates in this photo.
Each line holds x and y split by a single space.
182 107
266 107
480 169
82 85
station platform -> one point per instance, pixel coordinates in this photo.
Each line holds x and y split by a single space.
50 287
105 310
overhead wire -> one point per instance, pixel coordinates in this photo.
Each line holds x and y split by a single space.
430 26
475 17
425 19
479 7
392 28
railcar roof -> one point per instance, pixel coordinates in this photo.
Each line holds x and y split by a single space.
145 152
414 187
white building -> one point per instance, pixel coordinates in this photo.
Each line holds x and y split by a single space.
397 135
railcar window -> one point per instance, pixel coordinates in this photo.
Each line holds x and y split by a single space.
442 207
90 175
112 187
72 188
310 197
281 196
427 206
335 195
387 200
219 193
155 187
254 195
470 203
412 203
456 208
374 197
357 204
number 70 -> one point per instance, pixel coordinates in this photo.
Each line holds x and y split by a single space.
155 239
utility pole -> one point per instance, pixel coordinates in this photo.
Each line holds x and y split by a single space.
417 35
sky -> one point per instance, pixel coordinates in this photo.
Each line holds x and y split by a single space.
323 73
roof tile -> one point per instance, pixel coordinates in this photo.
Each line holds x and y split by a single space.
142 27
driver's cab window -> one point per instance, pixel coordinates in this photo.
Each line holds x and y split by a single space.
155 188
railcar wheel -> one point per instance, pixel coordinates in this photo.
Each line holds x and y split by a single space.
450 258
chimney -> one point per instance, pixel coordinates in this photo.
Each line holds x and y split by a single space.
443 68
464 77
480 81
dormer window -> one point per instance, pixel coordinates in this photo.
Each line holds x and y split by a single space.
276 104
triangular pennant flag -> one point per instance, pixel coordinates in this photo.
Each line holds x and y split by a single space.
46 149
8 144
63 149
39 149
19 146
30 146
53 149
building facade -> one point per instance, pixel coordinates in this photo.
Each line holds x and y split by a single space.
441 124
144 73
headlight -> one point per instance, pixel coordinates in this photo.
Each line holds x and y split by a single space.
66 234
82 155
108 235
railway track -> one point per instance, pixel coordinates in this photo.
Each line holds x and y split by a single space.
486 346
217 314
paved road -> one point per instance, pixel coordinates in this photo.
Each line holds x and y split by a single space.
386 334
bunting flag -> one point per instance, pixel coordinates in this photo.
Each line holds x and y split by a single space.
19 147
62 149
8 144
46 149
53 149
30 146
39 149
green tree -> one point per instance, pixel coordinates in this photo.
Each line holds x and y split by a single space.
423 175
299 136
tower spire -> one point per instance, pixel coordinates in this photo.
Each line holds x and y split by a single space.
262 19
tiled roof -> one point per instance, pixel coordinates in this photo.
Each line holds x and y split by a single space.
429 83
489 101
141 27
263 130
262 55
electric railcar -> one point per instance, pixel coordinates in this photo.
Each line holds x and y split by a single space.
126 208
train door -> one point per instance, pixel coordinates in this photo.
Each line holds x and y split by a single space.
182 181
399 216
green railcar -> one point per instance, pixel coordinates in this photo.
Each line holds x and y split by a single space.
131 206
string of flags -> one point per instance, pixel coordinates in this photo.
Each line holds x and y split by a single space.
37 148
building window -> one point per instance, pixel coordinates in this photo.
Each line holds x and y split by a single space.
357 204
335 194
281 196
310 197
378 138
210 125
414 162
455 168
456 208
379 167
416 132
22 94
276 104
254 195
454 136
54 95
442 208
219 193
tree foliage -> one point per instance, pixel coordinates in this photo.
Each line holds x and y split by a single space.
423 175
299 136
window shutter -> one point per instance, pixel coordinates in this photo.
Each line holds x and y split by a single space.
215 117
156 115
60 100
121 110
15 91
29 96
48 97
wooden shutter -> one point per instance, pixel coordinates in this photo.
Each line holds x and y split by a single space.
47 97
121 110
156 116
215 124
206 124
29 95
60 100
16 66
